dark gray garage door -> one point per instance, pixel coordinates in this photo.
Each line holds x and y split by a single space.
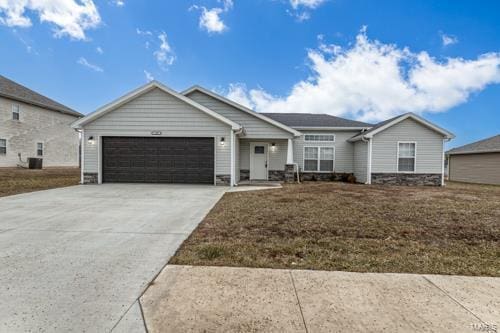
158 160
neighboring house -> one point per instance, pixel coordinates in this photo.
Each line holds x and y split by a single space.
32 125
477 162
155 134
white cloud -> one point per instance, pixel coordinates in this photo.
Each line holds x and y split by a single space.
118 3
68 17
149 76
143 32
448 40
82 61
312 4
210 19
99 50
164 55
373 81
301 8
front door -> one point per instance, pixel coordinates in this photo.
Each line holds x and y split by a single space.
258 160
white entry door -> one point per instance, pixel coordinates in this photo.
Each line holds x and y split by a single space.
258 160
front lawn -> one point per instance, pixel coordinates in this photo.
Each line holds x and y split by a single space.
16 180
338 226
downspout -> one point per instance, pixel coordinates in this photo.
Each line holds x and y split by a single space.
369 162
442 167
233 155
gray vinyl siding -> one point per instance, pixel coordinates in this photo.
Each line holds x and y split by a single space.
254 127
475 168
158 111
344 150
361 161
429 147
277 157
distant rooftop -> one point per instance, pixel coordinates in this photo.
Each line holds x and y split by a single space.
488 145
314 120
15 91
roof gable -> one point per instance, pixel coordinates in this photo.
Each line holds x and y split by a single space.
382 126
241 108
143 90
15 91
488 145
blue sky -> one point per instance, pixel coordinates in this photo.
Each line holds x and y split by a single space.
367 60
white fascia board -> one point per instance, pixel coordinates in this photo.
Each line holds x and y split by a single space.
334 128
141 90
241 108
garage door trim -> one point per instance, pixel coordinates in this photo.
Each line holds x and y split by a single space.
100 141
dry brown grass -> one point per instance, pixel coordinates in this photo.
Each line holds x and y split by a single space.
337 226
15 181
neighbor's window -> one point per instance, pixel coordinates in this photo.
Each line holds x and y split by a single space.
39 149
320 137
3 146
406 156
319 159
15 111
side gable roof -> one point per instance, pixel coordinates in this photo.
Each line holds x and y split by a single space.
142 90
12 90
316 120
382 126
241 108
489 145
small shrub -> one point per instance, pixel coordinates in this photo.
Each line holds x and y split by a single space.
351 179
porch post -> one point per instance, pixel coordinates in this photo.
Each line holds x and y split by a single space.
289 152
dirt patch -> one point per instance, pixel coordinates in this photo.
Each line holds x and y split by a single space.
338 226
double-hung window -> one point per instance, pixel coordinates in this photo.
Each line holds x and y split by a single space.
39 149
3 146
407 155
15 111
319 159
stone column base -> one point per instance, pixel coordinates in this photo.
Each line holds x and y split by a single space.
90 178
223 180
289 173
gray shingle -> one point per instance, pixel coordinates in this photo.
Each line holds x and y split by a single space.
15 91
314 120
487 145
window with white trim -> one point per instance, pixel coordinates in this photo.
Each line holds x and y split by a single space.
3 146
320 137
39 149
15 111
406 156
319 159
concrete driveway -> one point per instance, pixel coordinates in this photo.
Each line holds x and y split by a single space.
77 258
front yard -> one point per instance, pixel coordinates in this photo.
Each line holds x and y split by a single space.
16 181
338 226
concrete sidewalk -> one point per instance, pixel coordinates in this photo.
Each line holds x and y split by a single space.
221 299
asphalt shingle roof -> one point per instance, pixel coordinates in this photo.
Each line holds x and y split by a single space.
314 120
13 90
487 145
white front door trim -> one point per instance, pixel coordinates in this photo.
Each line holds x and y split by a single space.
259 168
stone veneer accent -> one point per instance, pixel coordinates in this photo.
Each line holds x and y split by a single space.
89 178
324 176
224 180
427 179
244 174
276 175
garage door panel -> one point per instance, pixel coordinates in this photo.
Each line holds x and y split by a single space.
163 160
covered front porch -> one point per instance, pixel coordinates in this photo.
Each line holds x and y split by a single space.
260 160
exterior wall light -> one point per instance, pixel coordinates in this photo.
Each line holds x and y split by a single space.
91 140
273 146
222 141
